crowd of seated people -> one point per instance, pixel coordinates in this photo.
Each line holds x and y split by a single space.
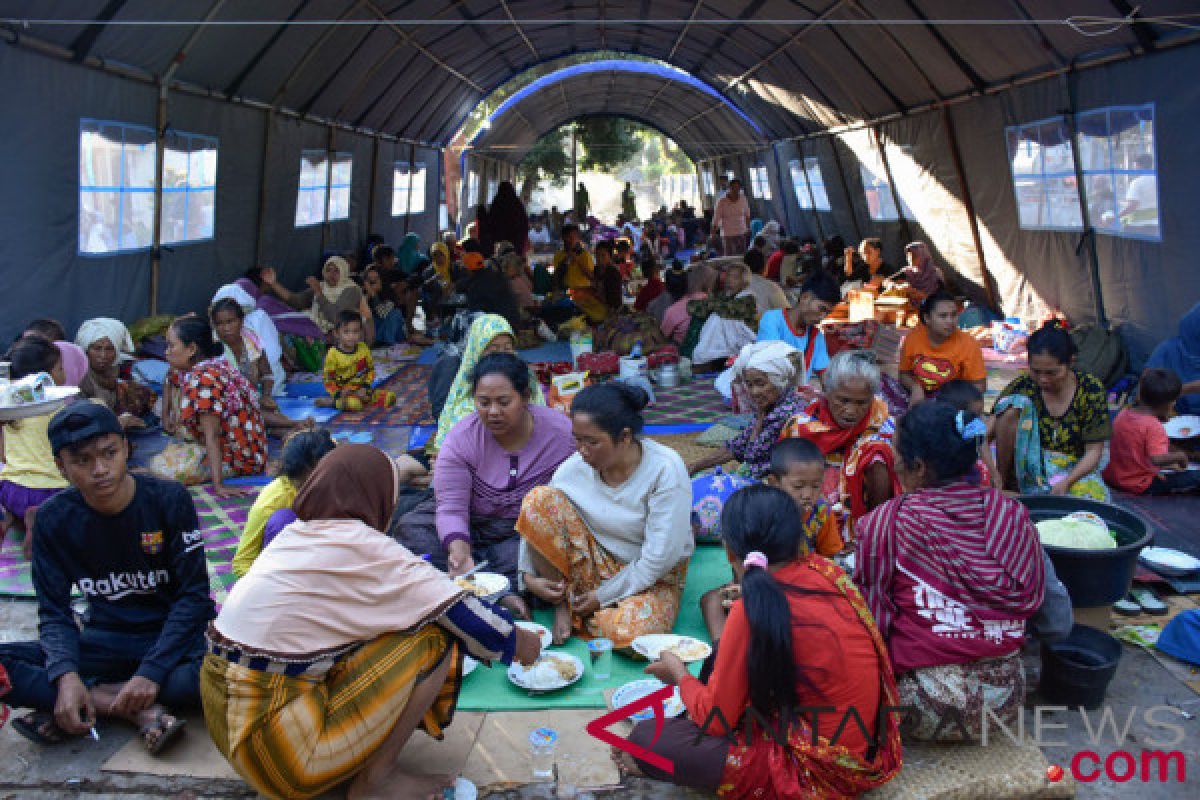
345 631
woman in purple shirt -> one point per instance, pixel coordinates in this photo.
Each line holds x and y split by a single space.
489 461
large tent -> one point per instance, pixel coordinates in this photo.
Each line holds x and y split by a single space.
894 118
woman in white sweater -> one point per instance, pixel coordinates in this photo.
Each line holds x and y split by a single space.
607 542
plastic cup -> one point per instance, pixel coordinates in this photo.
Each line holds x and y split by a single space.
542 743
601 651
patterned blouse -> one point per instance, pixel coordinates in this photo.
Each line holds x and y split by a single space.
214 387
1085 422
753 445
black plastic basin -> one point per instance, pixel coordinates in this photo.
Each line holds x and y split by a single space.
1076 671
1094 577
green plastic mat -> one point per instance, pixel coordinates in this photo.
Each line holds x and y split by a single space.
489 689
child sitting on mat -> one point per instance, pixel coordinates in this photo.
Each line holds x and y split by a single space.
798 468
243 350
1141 450
301 452
350 370
30 476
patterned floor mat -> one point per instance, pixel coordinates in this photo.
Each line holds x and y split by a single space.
695 402
411 385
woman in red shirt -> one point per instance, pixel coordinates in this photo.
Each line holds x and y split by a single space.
800 637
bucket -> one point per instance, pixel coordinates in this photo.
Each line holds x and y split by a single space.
1093 577
1077 670
633 367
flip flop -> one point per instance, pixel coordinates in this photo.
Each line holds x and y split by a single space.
168 735
1127 606
30 726
1149 601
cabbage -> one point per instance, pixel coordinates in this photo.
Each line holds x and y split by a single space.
1076 534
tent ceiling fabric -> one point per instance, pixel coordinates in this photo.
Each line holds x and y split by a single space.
700 119
420 81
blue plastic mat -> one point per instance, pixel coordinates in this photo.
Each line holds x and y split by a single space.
664 430
299 408
249 480
551 351
421 434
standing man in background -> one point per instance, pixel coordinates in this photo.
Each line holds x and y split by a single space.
732 218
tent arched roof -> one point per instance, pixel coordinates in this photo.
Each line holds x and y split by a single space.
414 68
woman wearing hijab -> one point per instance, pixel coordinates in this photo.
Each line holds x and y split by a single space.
326 297
1181 355
408 255
338 643
106 343
489 333
768 371
260 324
922 275
507 218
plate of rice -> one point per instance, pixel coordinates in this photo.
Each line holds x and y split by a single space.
652 646
551 672
1183 427
483 584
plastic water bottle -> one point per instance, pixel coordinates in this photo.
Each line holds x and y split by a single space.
636 352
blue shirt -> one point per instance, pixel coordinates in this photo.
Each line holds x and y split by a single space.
775 327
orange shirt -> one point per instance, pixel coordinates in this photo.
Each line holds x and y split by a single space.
1136 438
958 358
828 641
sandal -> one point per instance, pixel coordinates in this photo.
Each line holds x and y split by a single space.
39 727
1127 606
1149 601
168 733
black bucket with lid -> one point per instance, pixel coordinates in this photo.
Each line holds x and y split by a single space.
1093 577
1077 670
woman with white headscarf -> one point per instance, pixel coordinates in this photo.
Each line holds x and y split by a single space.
107 343
259 322
769 372
327 296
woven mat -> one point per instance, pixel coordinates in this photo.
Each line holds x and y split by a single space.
221 522
411 385
694 402
685 445
1000 771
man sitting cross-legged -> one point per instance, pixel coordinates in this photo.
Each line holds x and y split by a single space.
131 545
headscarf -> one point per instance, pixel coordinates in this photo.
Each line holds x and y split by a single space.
74 362
923 275
1181 355
756 226
771 233
460 401
408 254
777 360
443 272
260 324
332 293
353 481
114 330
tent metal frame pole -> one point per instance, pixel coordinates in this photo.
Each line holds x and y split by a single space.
160 147
326 224
1088 240
412 170
969 206
905 227
812 200
373 183
260 236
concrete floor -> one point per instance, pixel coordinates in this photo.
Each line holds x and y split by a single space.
73 770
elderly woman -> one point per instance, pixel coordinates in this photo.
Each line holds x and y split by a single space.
326 297
489 333
338 643
607 542
853 429
1052 424
259 322
218 408
937 352
768 371
952 571
724 323
490 460
106 342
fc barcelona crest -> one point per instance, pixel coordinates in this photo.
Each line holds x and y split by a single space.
152 543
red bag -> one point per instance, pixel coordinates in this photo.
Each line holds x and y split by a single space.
667 354
599 363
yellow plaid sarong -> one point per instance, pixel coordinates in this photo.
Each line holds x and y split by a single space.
297 737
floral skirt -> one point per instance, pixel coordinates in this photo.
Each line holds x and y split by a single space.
551 525
945 703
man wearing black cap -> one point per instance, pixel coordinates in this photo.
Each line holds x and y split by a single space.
132 546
